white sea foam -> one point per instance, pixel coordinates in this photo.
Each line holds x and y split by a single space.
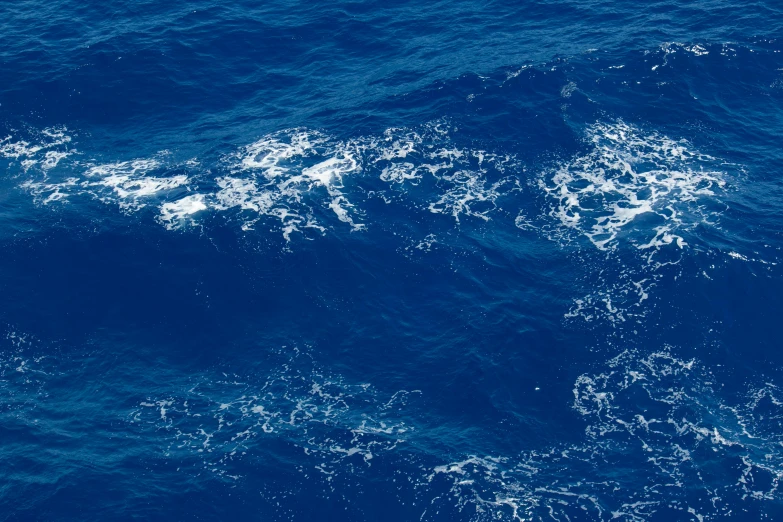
43 149
302 179
330 171
661 437
655 428
174 213
224 418
466 183
629 188
291 176
633 186
273 154
286 172
243 193
637 196
401 173
128 184
130 181
469 195
52 158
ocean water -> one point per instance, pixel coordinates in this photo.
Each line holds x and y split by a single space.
461 261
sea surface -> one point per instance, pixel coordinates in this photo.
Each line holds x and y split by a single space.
407 261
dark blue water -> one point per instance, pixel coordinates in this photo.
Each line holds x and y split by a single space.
360 261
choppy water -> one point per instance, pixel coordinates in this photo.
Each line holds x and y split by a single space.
446 261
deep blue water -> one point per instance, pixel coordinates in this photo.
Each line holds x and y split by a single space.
421 261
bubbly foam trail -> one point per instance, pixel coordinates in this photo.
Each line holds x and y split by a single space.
637 196
219 421
467 182
626 175
295 177
174 213
631 186
281 175
45 149
660 438
130 181
213 421
130 185
277 175
656 428
655 425
630 190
